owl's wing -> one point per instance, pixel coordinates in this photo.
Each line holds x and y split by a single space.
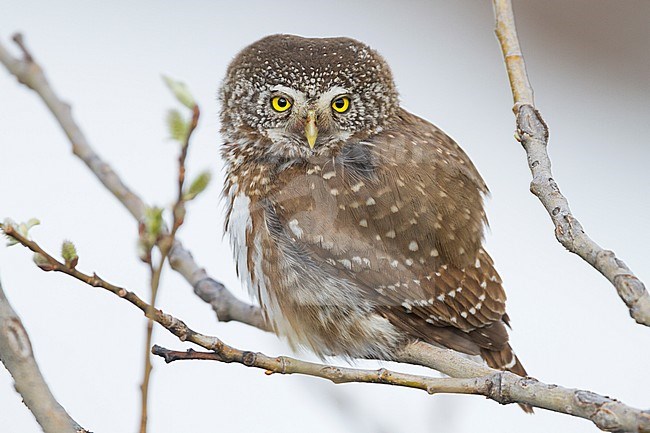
402 217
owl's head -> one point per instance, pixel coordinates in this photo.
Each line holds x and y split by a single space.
285 96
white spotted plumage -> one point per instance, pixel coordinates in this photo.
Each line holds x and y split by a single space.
371 235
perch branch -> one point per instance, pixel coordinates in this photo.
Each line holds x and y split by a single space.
17 355
501 386
532 132
287 365
226 306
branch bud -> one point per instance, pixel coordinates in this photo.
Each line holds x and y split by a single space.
42 262
180 91
69 254
177 126
22 229
150 230
198 185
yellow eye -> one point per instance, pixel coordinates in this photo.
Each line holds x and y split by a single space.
341 104
280 103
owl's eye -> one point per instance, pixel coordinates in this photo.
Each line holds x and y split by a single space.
341 104
280 103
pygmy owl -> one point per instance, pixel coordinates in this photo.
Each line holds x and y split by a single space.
357 225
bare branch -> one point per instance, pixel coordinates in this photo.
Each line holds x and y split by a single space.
532 132
473 378
287 365
223 302
17 356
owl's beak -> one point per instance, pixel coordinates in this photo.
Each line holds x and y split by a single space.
311 130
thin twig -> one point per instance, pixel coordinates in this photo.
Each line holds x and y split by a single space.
18 357
532 132
226 306
164 245
501 386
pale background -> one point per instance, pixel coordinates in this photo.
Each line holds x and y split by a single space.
589 62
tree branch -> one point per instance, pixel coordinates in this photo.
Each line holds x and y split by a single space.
223 302
17 356
287 365
472 378
532 132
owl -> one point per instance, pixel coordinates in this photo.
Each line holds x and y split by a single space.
355 224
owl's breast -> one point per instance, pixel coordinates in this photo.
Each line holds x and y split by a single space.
309 302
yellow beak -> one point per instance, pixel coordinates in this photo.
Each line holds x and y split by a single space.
311 130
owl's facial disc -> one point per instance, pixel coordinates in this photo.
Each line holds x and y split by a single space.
309 118
290 97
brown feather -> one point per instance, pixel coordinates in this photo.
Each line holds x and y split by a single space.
373 237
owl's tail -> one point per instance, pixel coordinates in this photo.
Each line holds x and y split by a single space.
505 359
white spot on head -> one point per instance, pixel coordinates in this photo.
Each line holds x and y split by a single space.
334 191
370 201
413 246
390 234
329 175
434 253
363 223
357 186
408 262
394 209
394 263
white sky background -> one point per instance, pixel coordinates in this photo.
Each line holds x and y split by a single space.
589 63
